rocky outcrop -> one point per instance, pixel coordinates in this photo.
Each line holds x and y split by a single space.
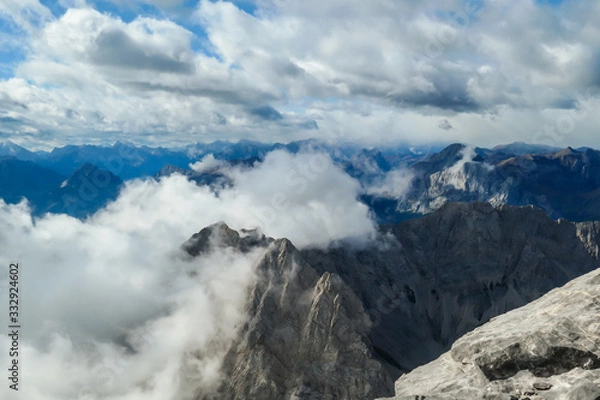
306 336
549 349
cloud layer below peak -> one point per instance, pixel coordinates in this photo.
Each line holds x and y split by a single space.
112 308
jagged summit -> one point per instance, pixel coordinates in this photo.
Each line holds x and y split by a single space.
444 159
100 177
306 334
569 151
85 191
221 235
10 149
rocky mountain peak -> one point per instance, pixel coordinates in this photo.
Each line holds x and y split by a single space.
91 175
306 334
563 183
221 235
569 151
444 159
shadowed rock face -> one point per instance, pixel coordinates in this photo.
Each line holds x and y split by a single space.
552 361
547 349
306 336
86 191
443 275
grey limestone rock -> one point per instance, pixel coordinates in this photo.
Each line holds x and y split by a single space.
547 349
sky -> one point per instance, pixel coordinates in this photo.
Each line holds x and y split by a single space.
162 72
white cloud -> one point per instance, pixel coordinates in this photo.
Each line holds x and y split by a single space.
304 197
84 35
27 14
88 287
395 184
361 71
208 162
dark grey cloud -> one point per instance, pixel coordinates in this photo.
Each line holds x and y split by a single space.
288 68
223 94
7 103
445 125
449 92
267 113
309 125
565 103
14 124
116 48
446 100
592 73
9 120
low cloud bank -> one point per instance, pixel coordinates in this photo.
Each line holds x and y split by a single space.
395 184
111 309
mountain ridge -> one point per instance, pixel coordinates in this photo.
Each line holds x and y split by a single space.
401 300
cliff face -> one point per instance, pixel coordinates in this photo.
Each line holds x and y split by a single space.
306 336
589 234
548 349
442 275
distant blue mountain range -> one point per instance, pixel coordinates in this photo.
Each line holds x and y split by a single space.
80 179
129 161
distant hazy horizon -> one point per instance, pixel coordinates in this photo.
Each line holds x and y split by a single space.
416 146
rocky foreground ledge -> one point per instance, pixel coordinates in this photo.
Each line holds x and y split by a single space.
548 349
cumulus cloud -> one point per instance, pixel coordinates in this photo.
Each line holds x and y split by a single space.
111 308
395 184
26 14
304 197
369 72
116 308
208 163
445 125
